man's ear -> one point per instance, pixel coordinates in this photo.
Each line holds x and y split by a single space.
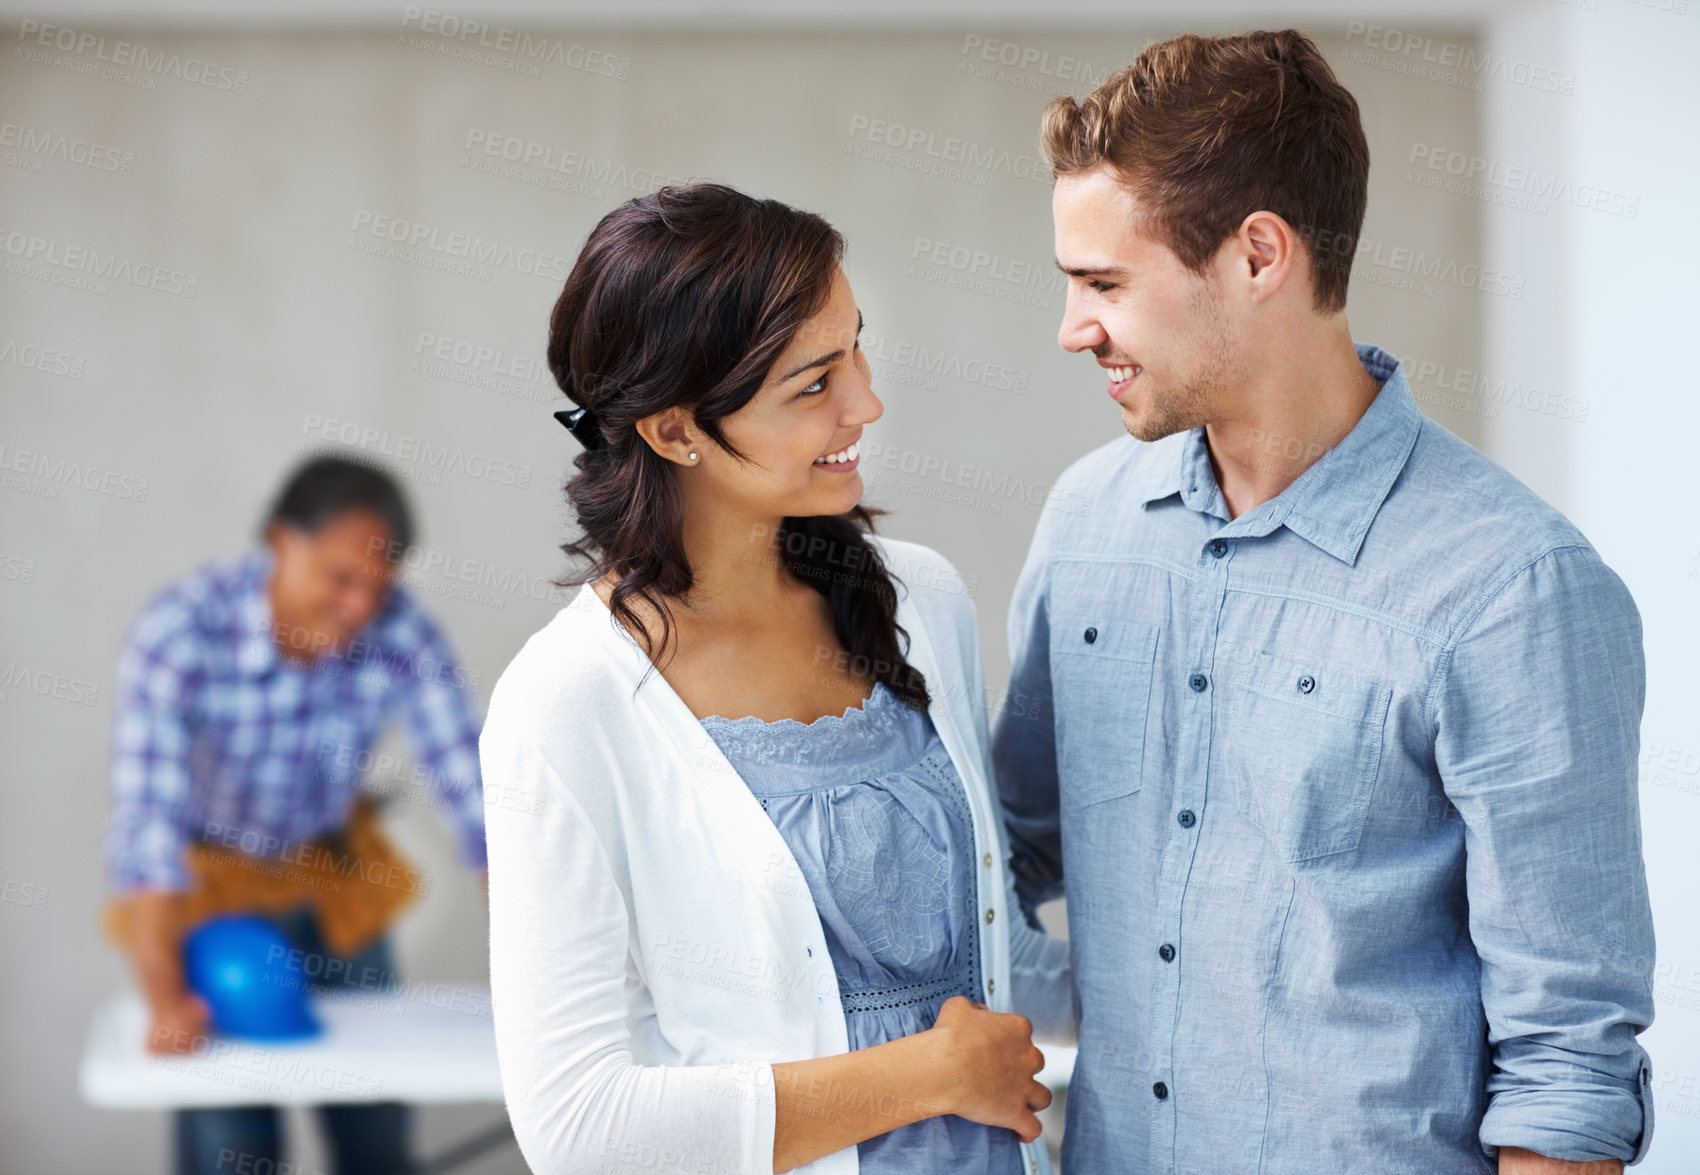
1269 250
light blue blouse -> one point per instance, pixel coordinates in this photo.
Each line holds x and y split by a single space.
874 812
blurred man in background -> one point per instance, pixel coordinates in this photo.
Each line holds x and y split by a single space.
249 695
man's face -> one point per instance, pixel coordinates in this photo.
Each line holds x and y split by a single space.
1160 331
327 586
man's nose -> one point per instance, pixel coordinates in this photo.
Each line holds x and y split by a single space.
1080 331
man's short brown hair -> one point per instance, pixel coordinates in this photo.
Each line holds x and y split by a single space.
1204 131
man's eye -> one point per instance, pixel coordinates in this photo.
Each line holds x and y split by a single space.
1100 286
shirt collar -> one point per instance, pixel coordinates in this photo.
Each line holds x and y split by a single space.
1332 503
256 652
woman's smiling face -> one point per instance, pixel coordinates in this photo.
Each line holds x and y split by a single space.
812 406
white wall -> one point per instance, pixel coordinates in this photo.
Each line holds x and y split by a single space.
258 195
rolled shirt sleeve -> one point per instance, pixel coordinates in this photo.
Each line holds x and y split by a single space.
1538 713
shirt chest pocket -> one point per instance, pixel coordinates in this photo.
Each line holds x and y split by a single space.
1304 749
1101 671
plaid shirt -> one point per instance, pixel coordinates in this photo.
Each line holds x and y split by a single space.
217 736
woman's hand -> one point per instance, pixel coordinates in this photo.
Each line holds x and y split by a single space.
993 1058
973 1062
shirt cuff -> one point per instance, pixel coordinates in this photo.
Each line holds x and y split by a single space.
160 876
473 849
1570 1124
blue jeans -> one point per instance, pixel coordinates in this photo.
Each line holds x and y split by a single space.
368 1138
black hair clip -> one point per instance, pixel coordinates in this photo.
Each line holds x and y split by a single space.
584 426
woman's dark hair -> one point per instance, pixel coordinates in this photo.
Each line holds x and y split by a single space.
325 487
686 297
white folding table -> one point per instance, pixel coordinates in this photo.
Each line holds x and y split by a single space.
423 1044
426 1044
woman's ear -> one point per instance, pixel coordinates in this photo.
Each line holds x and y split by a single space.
672 434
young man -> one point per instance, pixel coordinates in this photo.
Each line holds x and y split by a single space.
250 693
1335 722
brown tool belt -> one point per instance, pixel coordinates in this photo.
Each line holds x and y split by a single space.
353 878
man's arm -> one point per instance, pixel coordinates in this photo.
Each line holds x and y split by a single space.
144 842
442 728
1537 714
1024 748
1515 1160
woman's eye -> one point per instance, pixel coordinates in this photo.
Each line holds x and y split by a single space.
815 388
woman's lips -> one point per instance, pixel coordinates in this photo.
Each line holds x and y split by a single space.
854 451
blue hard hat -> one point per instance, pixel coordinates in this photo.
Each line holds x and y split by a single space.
239 964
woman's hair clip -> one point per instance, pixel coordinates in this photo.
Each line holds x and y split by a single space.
584 427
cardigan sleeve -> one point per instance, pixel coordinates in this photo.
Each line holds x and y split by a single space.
559 950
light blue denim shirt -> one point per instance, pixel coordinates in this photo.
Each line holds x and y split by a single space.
1345 790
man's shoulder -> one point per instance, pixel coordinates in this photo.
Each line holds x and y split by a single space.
1099 469
198 605
1474 508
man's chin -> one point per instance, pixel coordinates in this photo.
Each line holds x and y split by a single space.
1145 428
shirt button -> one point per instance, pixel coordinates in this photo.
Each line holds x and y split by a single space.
1166 952
1306 684
1198 681
1218 548
991 986
809 951
1161 1090
1186 818
986 860
988 916
1091 635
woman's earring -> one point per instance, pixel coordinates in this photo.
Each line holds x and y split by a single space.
693 456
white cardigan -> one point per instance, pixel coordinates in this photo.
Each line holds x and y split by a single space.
653 945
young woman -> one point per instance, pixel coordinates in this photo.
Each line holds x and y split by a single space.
748 903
